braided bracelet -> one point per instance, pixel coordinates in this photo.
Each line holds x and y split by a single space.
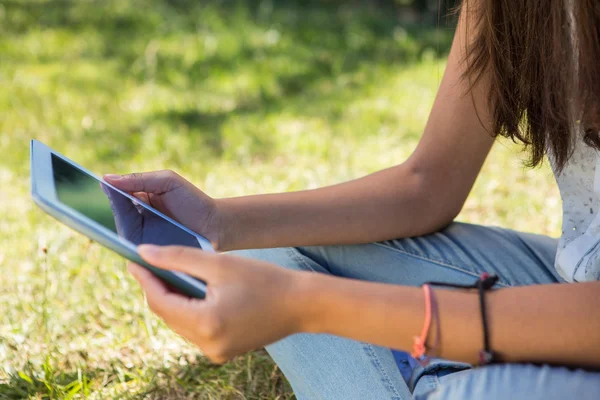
484 283
420 342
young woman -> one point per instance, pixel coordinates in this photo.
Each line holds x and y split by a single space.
529 70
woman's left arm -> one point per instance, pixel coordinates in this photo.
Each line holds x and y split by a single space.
251 304
551 324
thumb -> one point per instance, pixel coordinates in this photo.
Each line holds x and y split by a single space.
188 260
157 182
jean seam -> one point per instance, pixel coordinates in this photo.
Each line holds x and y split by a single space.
299 350
446 264
299 258
388 382
436 382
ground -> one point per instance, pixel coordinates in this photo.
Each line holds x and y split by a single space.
240 98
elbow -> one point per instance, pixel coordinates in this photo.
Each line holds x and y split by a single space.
436 202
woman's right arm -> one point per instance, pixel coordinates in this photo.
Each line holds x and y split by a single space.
419 196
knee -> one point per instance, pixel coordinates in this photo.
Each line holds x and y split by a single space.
286 257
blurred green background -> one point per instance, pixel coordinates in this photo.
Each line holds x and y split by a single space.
240 97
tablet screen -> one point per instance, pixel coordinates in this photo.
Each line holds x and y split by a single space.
109 208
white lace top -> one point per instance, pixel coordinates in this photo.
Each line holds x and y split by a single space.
578 255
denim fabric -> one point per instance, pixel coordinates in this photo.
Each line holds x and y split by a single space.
330 367
513 381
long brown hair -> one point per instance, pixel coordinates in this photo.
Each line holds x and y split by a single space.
542 62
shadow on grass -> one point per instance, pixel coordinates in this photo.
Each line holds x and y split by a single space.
253 376
319 25
205 125
325 37
334 38
264 55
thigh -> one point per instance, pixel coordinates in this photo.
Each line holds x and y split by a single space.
514 381
326 367
316 363
458 254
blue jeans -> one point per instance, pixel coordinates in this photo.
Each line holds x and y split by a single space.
329 367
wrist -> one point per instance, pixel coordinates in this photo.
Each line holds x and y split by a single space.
220 220
307 302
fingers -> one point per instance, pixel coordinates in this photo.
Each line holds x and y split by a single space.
160 299
142 196
190 318
154 201
188 260
146 279
151 182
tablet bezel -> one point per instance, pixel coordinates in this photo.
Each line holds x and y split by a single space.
43 192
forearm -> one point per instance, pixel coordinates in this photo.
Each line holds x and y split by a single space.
385 205
556 324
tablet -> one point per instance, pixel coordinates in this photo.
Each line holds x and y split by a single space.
107 215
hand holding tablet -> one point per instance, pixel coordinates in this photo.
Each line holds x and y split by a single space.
123 213
173 196
108 215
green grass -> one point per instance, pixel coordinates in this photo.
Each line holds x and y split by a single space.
239 97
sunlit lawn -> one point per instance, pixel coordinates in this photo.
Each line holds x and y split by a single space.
240 98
